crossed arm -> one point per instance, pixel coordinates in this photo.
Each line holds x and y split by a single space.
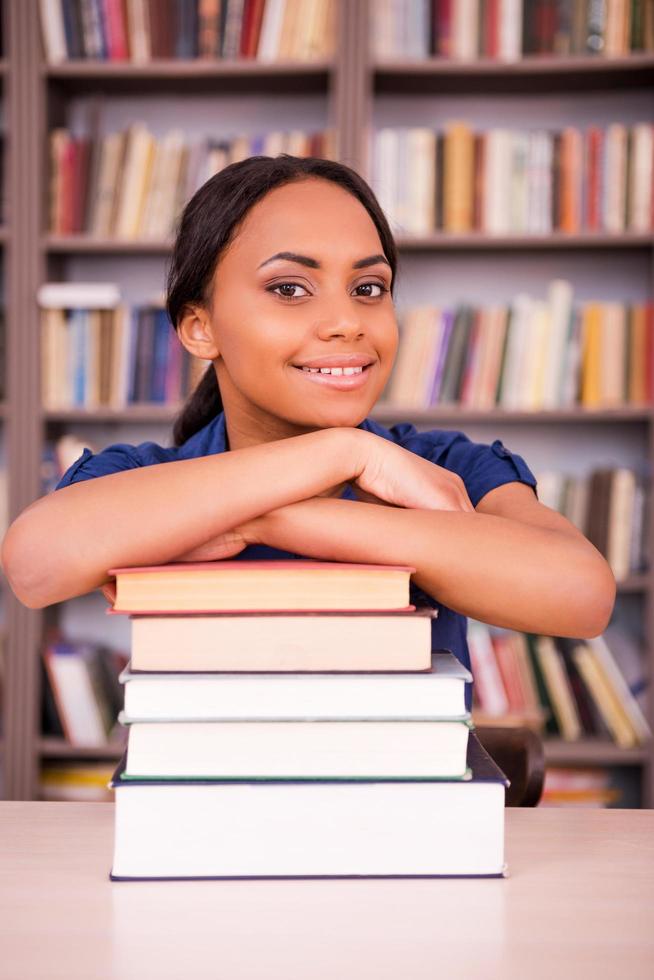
511 562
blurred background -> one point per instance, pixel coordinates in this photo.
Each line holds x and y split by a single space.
511 145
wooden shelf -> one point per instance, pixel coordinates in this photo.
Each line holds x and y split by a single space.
438 242
85 244
586 752
531 74
593 752
197 75
382 413
57 748
453 414
441 241
141 414
635 583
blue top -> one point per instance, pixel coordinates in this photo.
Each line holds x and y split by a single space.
481 467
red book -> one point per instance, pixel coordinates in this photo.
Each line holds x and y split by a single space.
252 17
443 27
593 150
649 351
115 26
242 586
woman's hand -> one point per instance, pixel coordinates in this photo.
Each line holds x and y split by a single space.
225 545
389 474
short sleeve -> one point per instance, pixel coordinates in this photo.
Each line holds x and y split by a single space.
113 459
482 467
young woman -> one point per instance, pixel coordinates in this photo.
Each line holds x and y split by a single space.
282 276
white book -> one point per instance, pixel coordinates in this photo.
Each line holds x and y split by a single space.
510 30
271 30
438 693
640 177
53 32
614 193
559 296
326 828
78 295
297 750
421 185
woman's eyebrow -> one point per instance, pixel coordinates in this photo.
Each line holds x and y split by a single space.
314 264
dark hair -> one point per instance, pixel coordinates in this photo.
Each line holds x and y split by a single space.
206 227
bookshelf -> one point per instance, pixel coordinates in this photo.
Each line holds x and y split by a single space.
352 94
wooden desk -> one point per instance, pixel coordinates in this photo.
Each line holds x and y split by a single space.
579 903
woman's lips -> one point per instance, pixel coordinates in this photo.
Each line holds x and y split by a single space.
340 382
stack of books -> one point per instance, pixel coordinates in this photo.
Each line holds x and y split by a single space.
290 719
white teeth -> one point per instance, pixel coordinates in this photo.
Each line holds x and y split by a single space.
336 371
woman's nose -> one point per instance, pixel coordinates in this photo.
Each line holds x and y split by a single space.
343 320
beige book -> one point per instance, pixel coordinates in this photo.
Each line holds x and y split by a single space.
421 185
241 586
458 177
280 642
558 687
92 360
536 353
138 28
118 392
497 324
104 204
134 181
613 354
616 173
402 389
641 164
605 699
620 519
53 349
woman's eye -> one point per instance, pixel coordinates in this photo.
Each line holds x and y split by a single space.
288 286
372 285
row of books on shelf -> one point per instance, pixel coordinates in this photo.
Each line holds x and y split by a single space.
142 30
570 688
530 355
130 184
503 181
108 354
610 506
509 29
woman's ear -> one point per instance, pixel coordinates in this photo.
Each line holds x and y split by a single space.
195 333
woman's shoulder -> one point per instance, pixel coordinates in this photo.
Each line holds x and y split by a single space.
121 456
482 466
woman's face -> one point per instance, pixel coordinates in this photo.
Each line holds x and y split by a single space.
325 303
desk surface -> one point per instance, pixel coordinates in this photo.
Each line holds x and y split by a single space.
579 902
